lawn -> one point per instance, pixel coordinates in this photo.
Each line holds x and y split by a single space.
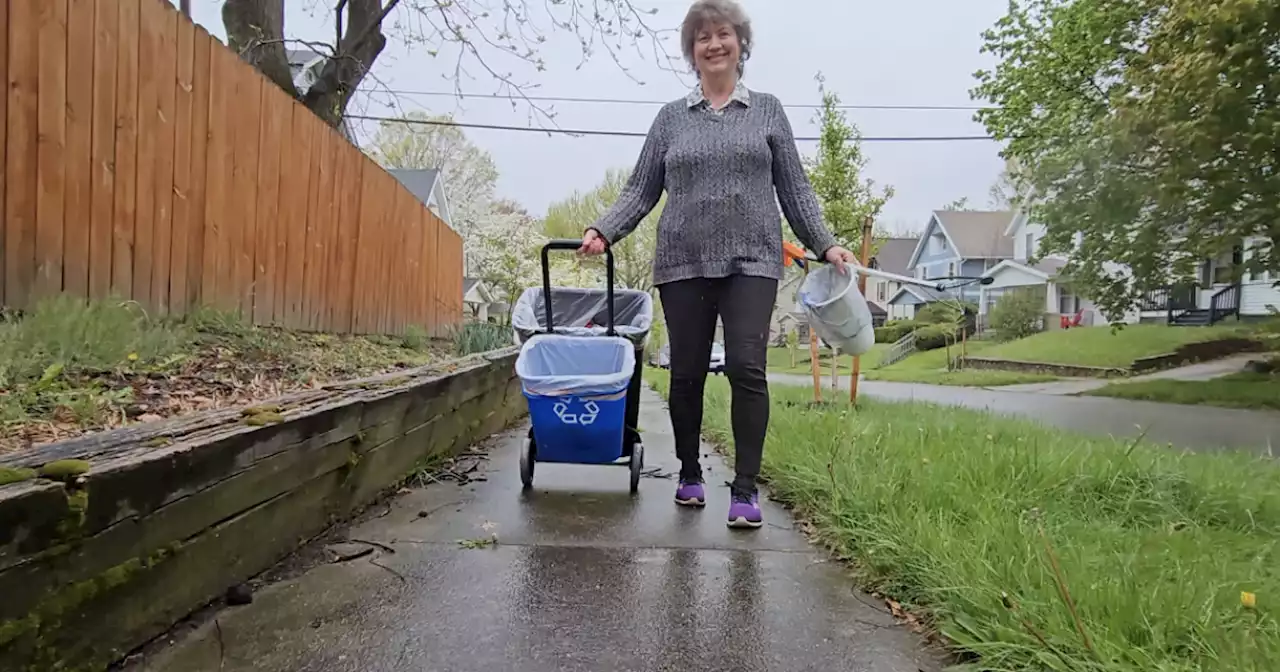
929 367
985 524
1240 390
68 367
1098 346
780 360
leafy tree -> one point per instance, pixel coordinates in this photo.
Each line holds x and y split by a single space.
633 255
793 343
847 199
511 261
1145 131
469 174
474 36
958 205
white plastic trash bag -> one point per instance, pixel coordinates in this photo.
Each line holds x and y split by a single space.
554 365
583 312
837 311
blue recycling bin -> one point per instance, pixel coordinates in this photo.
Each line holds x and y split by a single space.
577 393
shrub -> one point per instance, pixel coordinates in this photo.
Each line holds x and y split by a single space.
935 336
896 329
1018 314
474 337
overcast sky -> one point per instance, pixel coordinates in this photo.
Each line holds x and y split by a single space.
872 52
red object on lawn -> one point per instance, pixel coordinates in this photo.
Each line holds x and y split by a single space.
1068 322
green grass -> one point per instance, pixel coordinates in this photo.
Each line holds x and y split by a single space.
780 360
942 509
68 366
963 378
1239 390
1099 346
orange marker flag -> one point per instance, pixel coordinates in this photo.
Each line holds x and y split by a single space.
791 252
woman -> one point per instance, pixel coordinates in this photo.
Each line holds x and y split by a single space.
720 153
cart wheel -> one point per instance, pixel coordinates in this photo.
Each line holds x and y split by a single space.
637 465
528 456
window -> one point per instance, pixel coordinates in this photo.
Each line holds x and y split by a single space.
1031 245
953 269
882 291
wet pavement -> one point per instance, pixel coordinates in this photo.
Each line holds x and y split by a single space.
1190 427
584 576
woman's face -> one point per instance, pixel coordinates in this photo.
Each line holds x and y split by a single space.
716 49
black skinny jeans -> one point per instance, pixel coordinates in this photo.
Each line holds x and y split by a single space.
744 305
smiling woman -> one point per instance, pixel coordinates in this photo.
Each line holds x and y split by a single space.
715 36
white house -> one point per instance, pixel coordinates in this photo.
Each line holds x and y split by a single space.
427 184
481 304
1216 295
1021 272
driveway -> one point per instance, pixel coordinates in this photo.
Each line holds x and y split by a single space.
583 577
1191 427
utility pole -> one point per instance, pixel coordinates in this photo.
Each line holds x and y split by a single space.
862 289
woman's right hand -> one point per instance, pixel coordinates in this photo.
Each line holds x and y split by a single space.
592 243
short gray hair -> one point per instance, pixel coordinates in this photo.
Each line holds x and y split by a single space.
716 11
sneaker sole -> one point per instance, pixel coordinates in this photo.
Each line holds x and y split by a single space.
694 503
743 523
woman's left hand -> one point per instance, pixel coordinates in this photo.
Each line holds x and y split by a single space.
839 256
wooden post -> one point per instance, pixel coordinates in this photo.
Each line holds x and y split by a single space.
864 259
813 356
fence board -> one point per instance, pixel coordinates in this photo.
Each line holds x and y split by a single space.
273 125
149 129
4 134
79 120
51 146
126 165
166 76
180 235
217 247
142 158
247 108
106 26
21 155
201 91
320 191
295 185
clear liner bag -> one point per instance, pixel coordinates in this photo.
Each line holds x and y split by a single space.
555 365
837 311
583 312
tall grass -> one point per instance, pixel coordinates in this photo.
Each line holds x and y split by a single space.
1036 549
474 337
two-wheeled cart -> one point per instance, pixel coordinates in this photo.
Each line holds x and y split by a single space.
582 378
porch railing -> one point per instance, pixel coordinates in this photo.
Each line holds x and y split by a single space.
900 350
1225 303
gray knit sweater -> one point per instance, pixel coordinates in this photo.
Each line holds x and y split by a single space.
720 172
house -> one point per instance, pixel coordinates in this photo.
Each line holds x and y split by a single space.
892 256
966 243
1221 290
306 65
427 184
480 302
1028 270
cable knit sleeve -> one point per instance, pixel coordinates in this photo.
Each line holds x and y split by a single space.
795 194
643 188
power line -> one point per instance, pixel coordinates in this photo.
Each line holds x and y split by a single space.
630 101
640 134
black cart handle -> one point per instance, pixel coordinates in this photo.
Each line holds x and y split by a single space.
571 244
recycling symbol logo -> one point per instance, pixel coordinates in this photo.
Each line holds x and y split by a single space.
588 415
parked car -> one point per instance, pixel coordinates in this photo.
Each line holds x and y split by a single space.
716 365
662 358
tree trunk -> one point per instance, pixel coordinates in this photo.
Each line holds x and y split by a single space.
255 30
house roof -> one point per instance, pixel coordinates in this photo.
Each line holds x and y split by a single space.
894 255
468 284
978 234
419 181
1045 268
876 309
922 294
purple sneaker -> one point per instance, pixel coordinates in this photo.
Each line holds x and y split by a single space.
691 493
744 511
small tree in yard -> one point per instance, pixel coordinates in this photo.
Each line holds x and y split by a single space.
1018 313
473 36
793 344
847 199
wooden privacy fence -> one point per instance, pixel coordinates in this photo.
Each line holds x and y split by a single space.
143 159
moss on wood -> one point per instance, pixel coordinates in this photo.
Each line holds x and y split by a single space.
15 475
64 470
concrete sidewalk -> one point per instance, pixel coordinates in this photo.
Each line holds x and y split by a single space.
1203 371
1191 427
584 577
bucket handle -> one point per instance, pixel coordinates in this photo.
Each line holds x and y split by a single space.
571 244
